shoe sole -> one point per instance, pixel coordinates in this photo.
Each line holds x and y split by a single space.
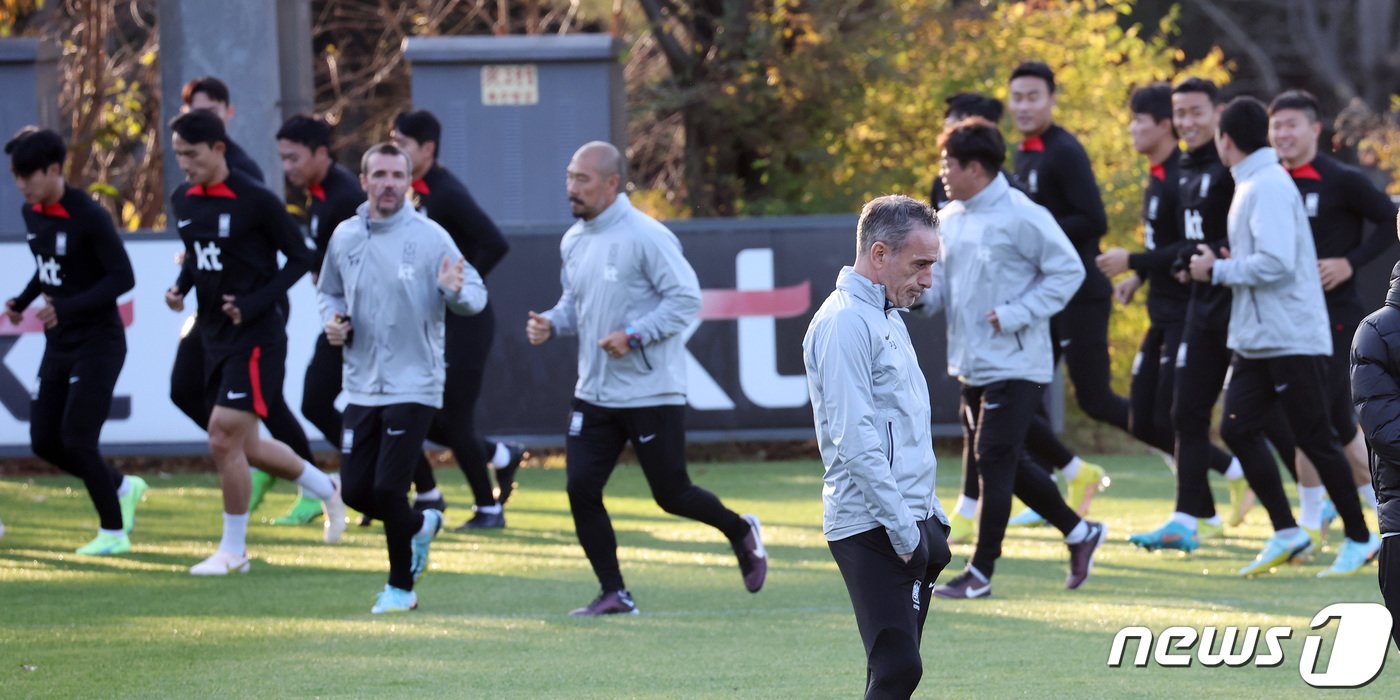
1252 570
247 565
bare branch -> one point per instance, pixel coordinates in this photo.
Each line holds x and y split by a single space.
1257 55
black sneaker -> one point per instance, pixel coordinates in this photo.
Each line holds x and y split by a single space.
608 603
753 558
1081 556
964 586
505 476
438 504
483 521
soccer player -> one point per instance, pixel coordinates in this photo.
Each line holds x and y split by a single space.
187 389
443 198
1278 332
1006 269
961 106
332 195
1154 368
1054 170
233 230
870 404
1339 200
389 276
1375 384
1202 358
628 292
81 269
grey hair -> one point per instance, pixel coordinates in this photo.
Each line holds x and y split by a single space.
889 219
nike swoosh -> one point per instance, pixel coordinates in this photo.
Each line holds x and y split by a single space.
235 396
992 406
398 432
184 222
72 380
978 592
647 438
1278 388
29 236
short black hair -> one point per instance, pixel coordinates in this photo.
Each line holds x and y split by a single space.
200 126
1301 100
306 130
421 126
975 140
1154 100
213 88
1246 121
1035 69
33 149
1195 84
972 104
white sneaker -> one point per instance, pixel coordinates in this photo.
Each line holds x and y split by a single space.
222 564
334 508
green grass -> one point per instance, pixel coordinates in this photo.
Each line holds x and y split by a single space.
492 620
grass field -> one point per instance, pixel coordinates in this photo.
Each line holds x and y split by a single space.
492 620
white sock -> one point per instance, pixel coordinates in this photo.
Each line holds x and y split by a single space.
1235 470
1214 520
489 510
967 507
980 576
433 495
124 488
1071 470
315 482
1310 506
1287 532
235 539
502 457
112 533
1368 495
1186 520
1078 534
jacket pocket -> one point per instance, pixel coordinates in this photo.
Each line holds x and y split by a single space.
889 443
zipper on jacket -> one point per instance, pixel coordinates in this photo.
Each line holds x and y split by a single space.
1019 346
889 430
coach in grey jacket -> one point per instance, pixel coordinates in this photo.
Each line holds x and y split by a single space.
628 294
1007 267
1278 330
870 404
389 276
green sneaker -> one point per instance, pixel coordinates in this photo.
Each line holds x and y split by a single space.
105 544
961 530
304 512
1279 550
1241 500
262 483
131 500
1206 530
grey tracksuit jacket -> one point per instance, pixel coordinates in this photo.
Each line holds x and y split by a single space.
624 269
999 251
871 408
384 276
1278 307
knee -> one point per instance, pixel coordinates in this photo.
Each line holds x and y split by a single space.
672 502
384 497
224 440
582 492
1234 432
895 665
46 443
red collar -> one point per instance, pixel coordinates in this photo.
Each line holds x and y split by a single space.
317 191
218 190
421 187
1034 143
1305 172
55 209
1159 172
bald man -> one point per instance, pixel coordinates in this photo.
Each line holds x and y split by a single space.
628 295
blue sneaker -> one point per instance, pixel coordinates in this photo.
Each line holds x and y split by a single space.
1353 556
433 520
1026 518
1173 535
1278 550
394 600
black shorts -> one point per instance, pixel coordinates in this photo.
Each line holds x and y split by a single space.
247 380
